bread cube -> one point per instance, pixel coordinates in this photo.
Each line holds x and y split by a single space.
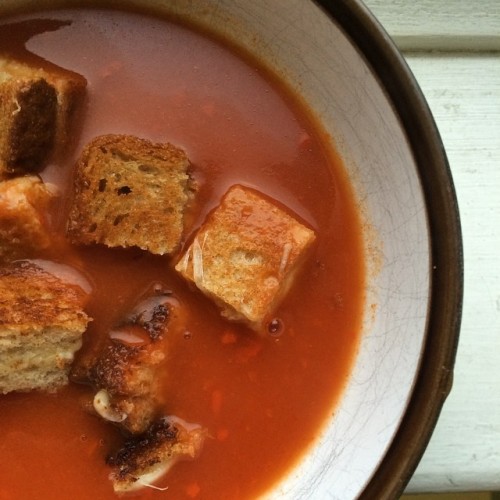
146 458
36 106
23 226
130 192
245 255
41 326
124 370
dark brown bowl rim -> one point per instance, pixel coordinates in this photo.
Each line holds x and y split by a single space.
434 378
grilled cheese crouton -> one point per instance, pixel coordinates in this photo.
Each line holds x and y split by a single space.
124 369
23 224
36 107
245 255
146 458
130 192
127 387
41 326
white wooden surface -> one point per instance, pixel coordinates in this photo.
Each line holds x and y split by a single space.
463 91
440 24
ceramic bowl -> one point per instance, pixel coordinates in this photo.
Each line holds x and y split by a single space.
336 55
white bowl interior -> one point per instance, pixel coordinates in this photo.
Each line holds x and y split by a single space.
299 41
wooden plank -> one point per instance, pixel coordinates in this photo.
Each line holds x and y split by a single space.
440 25
464 95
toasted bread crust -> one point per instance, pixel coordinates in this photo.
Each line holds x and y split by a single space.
125 369
41 325
130 192
128 375
36 108
245 254
28 111
31 298
148 456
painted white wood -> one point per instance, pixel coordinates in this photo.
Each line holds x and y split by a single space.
463 92
440 24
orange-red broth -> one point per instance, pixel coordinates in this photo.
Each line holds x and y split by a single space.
263 399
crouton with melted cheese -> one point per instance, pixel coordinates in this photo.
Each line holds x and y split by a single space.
245 255
124 370
41 326
130 192
146 458
36 109
24 229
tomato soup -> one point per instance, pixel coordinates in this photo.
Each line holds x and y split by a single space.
263 398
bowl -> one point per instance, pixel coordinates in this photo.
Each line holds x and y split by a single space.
350 74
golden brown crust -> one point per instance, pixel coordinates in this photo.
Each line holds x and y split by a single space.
71 91
125 370
41 326
36 109
147 457
245 254
31 299
128 374
28 111
23 226
130 192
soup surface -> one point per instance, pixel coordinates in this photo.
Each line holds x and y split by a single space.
262 398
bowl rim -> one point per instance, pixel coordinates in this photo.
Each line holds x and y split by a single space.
434 378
